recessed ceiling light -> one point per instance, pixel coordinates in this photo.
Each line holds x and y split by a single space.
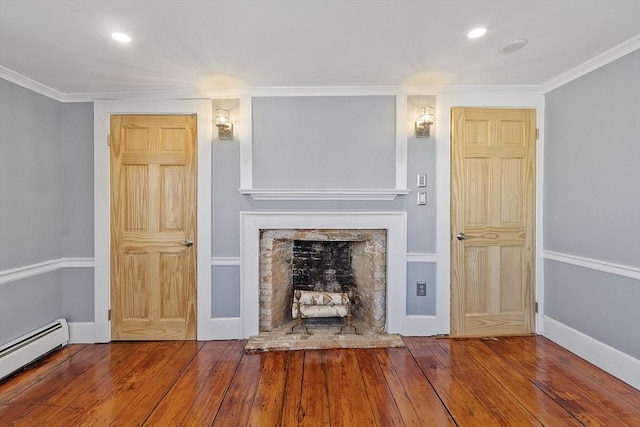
512 46
476 32
121 37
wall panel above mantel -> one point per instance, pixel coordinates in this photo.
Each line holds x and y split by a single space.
324 142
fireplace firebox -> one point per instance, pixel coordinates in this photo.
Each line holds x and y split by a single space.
332 260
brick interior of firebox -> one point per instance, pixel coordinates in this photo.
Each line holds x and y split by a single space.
324 260
322 266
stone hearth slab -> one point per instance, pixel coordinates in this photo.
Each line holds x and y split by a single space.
324 337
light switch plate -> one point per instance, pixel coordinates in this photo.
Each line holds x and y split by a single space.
422 198
422 180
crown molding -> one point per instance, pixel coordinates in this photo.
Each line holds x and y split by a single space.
592 64
610 55
155 94
28 83
323 91
490 88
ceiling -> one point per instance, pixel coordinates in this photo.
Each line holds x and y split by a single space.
195 46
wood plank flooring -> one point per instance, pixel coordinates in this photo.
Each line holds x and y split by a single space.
521 381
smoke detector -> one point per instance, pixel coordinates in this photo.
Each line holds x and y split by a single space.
512 46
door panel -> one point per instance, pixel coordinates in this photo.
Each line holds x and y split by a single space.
492 204
153 203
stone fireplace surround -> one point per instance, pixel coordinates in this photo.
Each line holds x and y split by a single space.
393 223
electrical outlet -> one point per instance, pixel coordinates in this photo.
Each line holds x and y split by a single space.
421 289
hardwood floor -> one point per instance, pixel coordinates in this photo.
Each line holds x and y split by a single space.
524 381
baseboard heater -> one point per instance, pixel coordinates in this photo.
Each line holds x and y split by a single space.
29 347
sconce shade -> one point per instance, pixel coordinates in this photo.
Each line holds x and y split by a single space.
424 122
224 125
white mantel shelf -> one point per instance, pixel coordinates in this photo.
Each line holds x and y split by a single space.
323 193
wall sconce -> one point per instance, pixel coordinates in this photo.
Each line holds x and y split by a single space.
224 125
424 122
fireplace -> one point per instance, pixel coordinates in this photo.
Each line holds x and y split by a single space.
362 227
325 260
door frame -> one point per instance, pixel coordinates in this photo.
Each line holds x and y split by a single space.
102 274
487 98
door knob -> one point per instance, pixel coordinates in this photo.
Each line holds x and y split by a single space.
461 236
188 242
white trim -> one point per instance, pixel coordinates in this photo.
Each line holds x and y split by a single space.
322 91
394 222
422 257
615 362
82 333
33 85
78 262
594 264
183 94
421 326
222 261
592 64
539 237
19 273
401 143
245 134
102 112
224 328
323 193
523 97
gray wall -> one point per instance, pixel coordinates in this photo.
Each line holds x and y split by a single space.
77 290
31 206
324 142
30 177
77 221
77 284
602 305
46 208
592 201
28 304
421 220
592 164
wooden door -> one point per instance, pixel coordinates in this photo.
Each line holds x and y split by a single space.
153 217
492 221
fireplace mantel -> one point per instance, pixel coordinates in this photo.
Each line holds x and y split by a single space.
323 193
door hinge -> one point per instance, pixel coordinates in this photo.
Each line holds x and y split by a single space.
537 134
109 314
108 140
535 307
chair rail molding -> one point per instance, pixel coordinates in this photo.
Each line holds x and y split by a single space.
19 273
594 264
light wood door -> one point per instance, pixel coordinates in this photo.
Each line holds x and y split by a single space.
492 221
153 215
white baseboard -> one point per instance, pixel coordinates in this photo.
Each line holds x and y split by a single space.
418 326
217 329
82 333
615 362
227 328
